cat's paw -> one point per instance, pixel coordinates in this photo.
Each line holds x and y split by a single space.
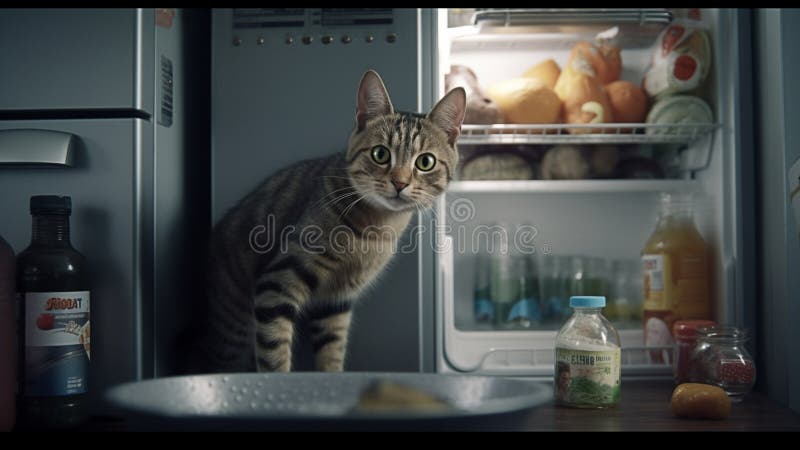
330 366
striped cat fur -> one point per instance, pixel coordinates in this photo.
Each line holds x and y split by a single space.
265 276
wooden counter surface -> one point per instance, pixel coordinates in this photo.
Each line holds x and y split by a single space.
645 406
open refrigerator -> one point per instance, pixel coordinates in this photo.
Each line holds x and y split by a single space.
603 220
266 70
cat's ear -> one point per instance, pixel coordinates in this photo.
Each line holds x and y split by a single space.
373 100
448 114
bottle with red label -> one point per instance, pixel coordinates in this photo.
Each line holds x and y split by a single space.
54 334
675 268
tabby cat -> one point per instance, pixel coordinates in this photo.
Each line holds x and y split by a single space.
264 274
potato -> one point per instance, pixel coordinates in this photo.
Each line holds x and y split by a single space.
700 401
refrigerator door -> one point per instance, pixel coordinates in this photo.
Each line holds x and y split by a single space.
284 89
76 59
108 185
776 68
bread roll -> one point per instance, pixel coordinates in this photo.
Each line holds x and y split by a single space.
565 162
497 166
547 71
628 102
526 100
639 168
700 401
602 61
584 99
604 160
388 396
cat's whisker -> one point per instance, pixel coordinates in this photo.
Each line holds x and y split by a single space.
340 189
419 206
350 207
434 198
418 197
335 192
425 210
323 202
336 199
428 196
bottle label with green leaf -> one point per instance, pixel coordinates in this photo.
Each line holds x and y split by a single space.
587 378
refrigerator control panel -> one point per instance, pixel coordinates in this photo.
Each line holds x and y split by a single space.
312 26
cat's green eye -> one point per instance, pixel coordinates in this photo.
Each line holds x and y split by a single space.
380 154
425 162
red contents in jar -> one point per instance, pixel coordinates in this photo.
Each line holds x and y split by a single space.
685 332
736 371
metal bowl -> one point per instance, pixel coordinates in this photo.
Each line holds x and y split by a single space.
321 401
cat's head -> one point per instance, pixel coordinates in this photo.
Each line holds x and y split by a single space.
402 161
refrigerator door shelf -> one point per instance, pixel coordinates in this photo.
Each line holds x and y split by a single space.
572 186
611 133
522 353
36 148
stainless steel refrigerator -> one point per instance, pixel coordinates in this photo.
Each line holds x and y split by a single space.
283 89
96 104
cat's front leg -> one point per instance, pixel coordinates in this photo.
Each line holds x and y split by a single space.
280 294
329 324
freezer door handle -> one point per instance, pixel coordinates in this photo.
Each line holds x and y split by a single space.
36 148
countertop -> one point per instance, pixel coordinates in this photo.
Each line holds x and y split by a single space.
645 406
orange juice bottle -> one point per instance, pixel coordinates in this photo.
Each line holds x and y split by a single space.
675 267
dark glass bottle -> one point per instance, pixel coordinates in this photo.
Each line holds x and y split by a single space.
54 351
8 363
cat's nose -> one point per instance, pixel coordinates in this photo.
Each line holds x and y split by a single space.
399 185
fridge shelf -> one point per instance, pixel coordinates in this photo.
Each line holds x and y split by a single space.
542 16
572 186
638 360
611 133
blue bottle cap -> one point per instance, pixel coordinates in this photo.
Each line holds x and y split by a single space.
587 301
